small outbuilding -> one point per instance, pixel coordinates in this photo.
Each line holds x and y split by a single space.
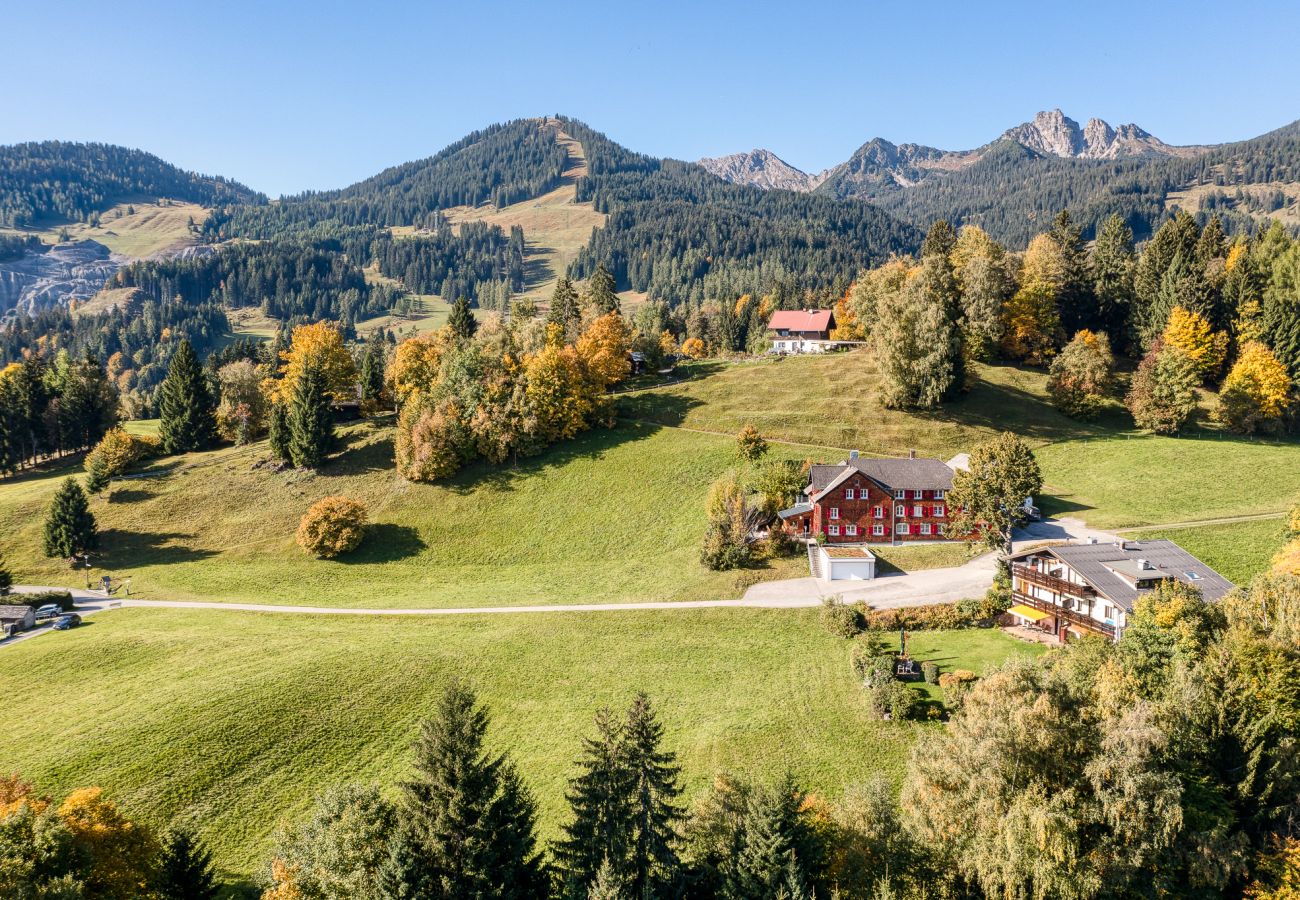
846 563
15 619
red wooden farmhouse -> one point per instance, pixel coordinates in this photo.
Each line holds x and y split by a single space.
874 501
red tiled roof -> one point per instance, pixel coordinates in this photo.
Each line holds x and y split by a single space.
801 320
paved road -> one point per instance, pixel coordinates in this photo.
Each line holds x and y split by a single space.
946 585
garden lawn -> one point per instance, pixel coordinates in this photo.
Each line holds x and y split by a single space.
231 721
611 516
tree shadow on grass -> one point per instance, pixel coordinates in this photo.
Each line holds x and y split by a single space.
385 542
129 495
362 451
128 549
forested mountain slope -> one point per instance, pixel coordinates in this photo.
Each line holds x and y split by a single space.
1013 191
74 182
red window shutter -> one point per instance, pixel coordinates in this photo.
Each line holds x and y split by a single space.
925 510
916 528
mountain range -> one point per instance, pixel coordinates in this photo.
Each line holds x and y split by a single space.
880 165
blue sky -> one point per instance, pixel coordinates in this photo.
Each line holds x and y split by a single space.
287 95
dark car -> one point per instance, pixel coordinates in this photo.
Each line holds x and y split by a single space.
63 623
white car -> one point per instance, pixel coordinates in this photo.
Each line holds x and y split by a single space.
49 611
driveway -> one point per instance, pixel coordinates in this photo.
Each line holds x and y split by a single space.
947 585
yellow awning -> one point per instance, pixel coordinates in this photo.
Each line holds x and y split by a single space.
1028 612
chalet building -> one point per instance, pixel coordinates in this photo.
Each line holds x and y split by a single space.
15 619
1069 590
873 501
801 330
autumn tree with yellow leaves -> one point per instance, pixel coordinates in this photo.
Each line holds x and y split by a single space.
1191 334
318 345
1257 393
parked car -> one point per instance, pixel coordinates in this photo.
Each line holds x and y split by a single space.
49 611
63 623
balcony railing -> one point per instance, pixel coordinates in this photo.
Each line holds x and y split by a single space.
1051 582
1071 616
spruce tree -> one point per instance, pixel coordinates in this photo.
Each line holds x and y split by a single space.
186 407
652 778
1112 277
70 527
6 578
461 319
602 292
185 869
1075 298
564 305
772 838
471 820
278 432
372 372
607 885
600 798
310 419
939 240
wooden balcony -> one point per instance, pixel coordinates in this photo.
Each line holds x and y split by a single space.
1069 616
1051 582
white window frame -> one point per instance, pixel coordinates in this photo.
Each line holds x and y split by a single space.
878 530
848 493
900 510
878 512
918 494
943 529
918 511
834 531
925 528
938 494
835 513
900 494
939 511
900 528
851 530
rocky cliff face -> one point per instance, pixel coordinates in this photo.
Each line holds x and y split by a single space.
1055 134
53 275
761 168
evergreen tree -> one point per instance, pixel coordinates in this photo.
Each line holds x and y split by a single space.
185 869
652 779
1112 277
1281 310
70 528
97 476
372 372
186 408
310 419
461 321
600 798
939 240
772 838
1147 316
601 291
1074 298
6 578
607 885
471 820
405 873
564 309
278 433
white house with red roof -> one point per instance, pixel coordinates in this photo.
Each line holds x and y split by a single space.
802 330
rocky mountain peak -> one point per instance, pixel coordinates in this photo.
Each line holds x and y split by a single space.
761 168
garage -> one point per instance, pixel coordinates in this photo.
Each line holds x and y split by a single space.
848 564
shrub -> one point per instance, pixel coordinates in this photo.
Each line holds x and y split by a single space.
931 672
867 647
750 445
956 685
332 526
116 452
891 700
42 598
841 619
936 617
1081 375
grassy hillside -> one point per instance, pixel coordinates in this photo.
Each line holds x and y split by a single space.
233 720
612 516
1237 550
150 229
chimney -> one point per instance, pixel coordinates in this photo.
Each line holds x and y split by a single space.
911 454
1144 565
853 454
1092 539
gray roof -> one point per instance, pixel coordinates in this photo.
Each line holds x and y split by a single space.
797 510
15 612
1102 565
907 473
